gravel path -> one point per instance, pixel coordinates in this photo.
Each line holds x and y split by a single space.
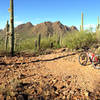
48 77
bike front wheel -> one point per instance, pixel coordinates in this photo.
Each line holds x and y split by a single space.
83 59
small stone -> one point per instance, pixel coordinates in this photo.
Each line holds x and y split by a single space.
8 98
22 76
30 97
12 94
64 97
68 82
86 93
57 93
63 87
54 87
20 97
21 58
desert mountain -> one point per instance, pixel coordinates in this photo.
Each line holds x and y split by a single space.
46 28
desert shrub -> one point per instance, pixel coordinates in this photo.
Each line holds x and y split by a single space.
73 40
10 89
46 42
2 44
27 44
79 39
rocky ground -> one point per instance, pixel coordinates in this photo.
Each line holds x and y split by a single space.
55 76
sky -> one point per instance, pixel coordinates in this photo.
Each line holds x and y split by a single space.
68 12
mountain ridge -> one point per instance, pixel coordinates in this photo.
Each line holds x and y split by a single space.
45 28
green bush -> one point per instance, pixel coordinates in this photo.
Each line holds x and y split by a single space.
79 40
71 40
46 42
27 44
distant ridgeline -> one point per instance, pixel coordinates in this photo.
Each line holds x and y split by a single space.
46 28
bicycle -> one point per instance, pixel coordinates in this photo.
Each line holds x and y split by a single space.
86 56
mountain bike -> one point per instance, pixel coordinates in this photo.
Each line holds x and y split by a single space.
87 56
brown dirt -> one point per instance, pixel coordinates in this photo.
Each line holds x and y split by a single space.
48 77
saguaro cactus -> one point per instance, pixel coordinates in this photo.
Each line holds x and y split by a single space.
98 25
80 27
7 26
39 41
11 10
7 36
35 44
58 41
82 21
98 29
98 20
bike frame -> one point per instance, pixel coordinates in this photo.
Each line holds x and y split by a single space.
93 58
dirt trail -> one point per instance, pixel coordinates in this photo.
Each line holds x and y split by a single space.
57 75
87 76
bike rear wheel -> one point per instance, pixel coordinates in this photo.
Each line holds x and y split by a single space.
83 59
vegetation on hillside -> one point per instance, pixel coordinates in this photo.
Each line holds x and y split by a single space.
72 40
79 39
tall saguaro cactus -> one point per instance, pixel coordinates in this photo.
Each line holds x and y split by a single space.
82 21
39 40
98 25
98 29
80 27
98 20
11 10
58 41
7 36
7 26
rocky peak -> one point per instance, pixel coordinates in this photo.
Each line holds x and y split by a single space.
73 28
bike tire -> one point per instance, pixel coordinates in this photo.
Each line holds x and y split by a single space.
83 59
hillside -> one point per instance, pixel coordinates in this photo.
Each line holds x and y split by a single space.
49 28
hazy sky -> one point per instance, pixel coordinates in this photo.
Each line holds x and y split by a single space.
66 11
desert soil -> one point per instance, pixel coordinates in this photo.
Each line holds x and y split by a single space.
55 76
